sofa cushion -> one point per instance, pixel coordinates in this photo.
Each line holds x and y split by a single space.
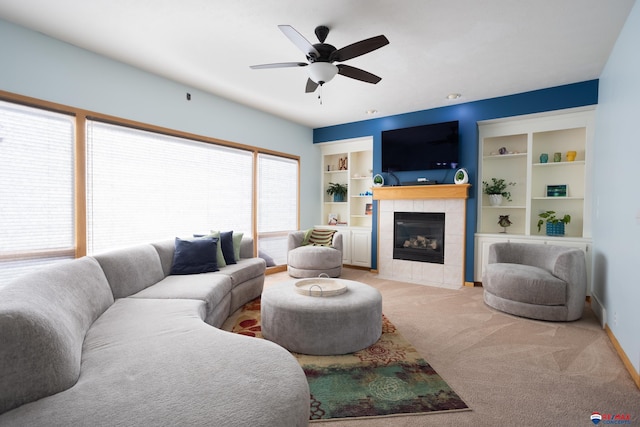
208 287
195 256
165 251
321 237
244 270
131 270
155 363
226 243
221 261
44 317
237 244
314 257
524 283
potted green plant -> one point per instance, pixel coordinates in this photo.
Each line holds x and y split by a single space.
337 190
496 190
555 225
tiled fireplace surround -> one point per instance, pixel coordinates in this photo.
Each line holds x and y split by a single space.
450 199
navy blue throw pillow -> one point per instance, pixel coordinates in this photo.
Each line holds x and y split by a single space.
226 241
195 256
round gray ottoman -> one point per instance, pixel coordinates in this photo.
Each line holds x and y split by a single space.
330 325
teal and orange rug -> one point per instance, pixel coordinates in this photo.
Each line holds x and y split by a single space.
389 378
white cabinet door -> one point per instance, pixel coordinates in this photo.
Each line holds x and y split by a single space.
482 254
361 248
346 246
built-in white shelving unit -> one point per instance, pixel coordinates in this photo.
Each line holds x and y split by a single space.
350 162
525 139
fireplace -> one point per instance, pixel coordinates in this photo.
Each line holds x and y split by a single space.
419 236
447 198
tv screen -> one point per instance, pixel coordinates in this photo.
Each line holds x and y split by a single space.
420 148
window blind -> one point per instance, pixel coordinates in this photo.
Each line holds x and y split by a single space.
36 188
144 186
277 204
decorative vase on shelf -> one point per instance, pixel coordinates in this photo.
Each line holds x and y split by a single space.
544 158
556 229
495 199
338 198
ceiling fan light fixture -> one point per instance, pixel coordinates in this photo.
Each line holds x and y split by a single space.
322 72
453 96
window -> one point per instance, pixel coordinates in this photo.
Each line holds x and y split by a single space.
144 186
141 186
36 188
277 205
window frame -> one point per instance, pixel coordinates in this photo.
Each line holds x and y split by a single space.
80 168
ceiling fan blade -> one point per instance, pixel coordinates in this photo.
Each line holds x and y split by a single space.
299 40
358 74
311 86
279 65
359 48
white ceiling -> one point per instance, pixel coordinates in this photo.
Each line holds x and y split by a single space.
479 48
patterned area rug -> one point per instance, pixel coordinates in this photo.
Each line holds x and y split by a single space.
389 378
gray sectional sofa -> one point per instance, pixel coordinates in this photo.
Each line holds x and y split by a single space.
114 340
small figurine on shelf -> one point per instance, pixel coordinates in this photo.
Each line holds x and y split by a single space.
342 164
504 222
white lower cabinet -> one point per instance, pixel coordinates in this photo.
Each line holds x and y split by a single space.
361 248
356 245
483 241
346 245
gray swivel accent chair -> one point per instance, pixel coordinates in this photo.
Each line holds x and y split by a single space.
311 261
544 282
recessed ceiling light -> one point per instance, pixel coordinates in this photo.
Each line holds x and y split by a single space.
371 112
452 96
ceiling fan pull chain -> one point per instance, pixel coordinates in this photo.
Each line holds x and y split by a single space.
320 95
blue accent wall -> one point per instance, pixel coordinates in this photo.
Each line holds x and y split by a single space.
468 114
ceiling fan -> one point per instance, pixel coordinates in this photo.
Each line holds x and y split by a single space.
321 57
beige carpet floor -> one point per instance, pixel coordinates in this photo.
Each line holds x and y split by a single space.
511 371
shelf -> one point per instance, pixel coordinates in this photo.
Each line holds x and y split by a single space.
361 177
558 198
332 172
505 207
574 163
335 203
362 197
360 216
505 156
440 191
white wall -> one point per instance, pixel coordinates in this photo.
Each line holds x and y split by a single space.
616 225
41 67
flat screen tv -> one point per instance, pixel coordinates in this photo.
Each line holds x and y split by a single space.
420 148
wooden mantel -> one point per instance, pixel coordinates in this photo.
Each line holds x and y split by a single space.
413 192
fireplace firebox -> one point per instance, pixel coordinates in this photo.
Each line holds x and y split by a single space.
419 236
